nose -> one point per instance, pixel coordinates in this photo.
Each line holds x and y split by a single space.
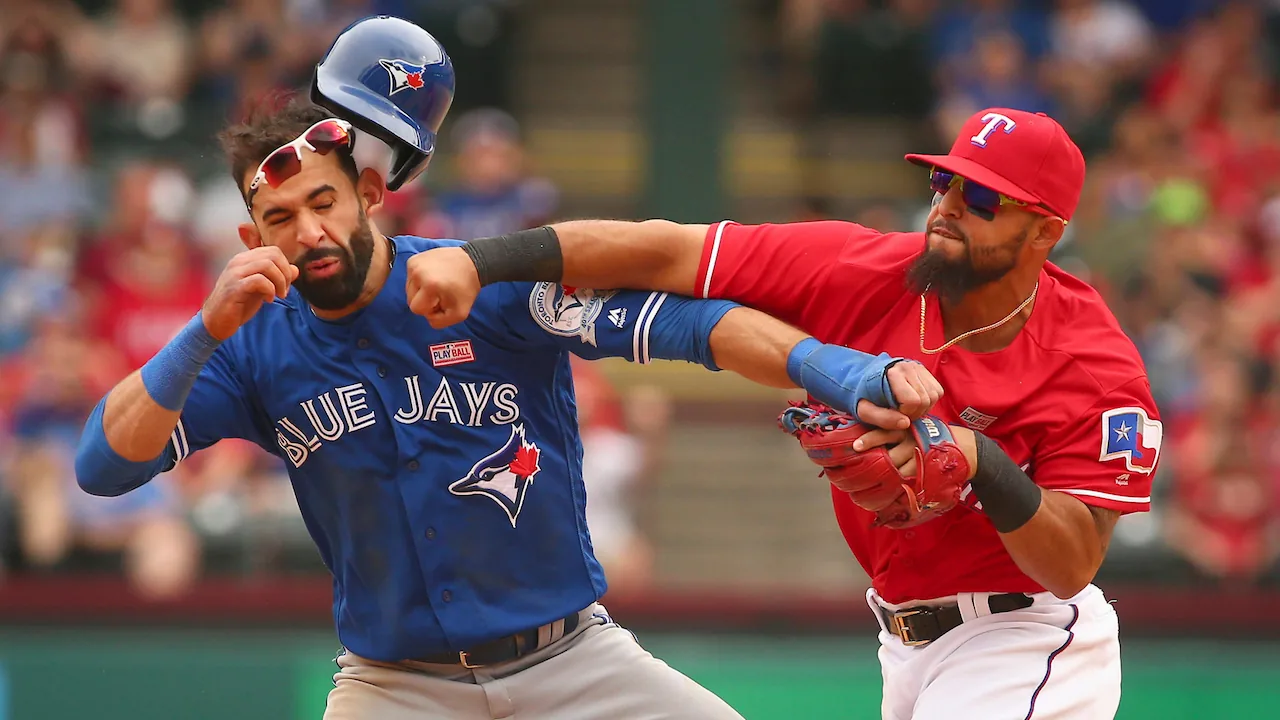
952 203
310 230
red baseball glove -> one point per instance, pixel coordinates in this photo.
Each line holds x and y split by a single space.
870 478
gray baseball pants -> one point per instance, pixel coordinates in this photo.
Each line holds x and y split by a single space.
597 672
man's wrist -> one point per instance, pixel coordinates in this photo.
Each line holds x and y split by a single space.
795 359
169 376
527 255
1009 497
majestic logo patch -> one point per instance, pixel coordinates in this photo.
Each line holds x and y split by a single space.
1128 433
568 311
451 353
618 316
404 76
504 476
976 420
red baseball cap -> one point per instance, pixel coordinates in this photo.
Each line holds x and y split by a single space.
1027 156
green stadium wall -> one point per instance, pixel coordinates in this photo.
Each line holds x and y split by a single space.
186 674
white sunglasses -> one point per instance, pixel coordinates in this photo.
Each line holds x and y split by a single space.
286 161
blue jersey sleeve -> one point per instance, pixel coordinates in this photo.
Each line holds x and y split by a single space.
639 326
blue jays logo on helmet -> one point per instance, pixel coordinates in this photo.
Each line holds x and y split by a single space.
404 76
505 475
393 80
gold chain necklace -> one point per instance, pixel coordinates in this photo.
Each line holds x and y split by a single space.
971 333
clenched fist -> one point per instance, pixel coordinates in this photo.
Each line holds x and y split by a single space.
250 279
914 387
442 285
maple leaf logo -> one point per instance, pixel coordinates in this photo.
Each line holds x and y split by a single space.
403 75
525 464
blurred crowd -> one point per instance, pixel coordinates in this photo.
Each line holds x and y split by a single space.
116 214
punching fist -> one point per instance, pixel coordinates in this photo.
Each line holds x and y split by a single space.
442 285
250 279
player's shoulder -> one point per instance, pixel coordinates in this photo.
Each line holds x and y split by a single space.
890 253
840 242
1080 326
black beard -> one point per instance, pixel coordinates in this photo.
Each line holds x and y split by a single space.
953 279
343 289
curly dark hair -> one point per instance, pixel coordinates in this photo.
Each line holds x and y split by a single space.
270 124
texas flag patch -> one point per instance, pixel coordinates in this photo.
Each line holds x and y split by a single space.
1128 433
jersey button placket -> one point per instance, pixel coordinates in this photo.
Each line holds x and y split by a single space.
412 465
446 596
362 343
431 533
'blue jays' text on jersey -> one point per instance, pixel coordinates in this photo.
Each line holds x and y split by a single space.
438 471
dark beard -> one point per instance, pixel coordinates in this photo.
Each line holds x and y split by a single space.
343 289
953 279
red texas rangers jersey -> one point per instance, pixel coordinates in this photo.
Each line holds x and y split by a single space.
1068 400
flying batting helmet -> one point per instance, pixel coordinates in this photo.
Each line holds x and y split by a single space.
393 80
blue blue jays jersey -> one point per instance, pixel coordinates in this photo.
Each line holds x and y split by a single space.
438 471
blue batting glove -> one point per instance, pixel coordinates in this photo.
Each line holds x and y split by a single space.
839 376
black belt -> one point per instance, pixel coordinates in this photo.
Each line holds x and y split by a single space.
922 625
507 648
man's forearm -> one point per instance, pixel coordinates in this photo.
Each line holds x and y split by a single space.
649 255
1051 536
755 346
135 426
1059 546
123 441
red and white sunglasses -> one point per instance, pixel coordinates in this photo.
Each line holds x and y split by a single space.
286 161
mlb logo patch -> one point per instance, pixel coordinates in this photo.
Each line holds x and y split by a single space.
1128 433
451 353
977 420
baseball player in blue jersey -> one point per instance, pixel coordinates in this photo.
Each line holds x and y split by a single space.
438 471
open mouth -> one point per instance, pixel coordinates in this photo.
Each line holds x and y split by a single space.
324 268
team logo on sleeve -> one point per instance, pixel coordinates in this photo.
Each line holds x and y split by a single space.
504 476
568 311
1128 433
404 76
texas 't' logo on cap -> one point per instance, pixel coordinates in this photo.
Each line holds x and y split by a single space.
404 76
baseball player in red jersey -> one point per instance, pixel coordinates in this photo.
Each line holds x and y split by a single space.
988 609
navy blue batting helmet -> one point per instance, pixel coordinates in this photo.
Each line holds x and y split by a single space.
393 80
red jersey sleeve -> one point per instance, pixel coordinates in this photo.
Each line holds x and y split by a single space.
1107 456
783 269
